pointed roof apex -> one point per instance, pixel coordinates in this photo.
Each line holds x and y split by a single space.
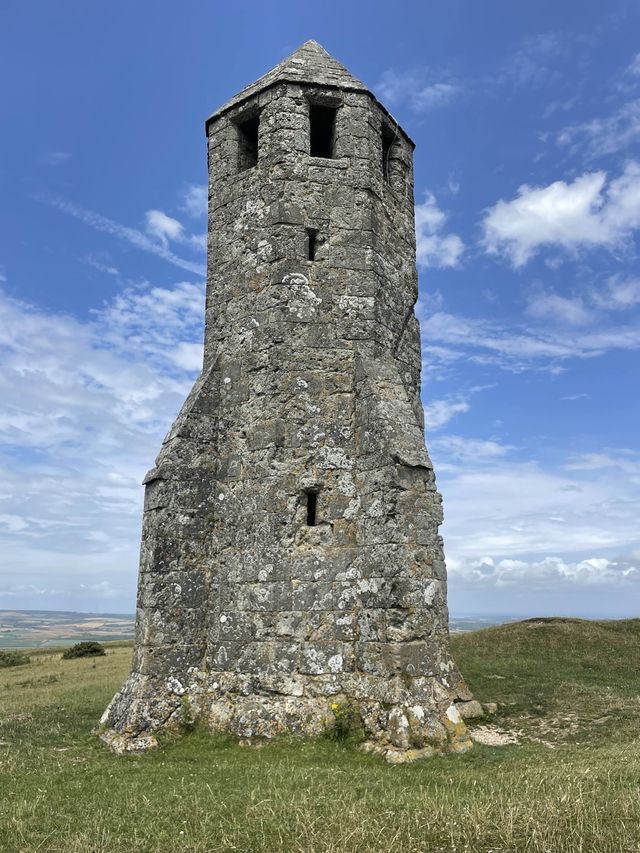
310 63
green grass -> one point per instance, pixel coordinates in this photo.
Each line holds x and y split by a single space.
571 690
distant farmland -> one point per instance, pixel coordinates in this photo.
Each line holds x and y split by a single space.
41 628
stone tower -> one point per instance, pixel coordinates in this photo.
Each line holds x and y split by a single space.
291 563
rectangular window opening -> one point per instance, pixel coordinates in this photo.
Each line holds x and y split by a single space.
312 508
312 241
322 122
388 138
248 143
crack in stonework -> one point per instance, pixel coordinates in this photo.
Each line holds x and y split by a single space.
408 314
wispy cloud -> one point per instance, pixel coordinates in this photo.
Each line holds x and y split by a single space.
512 508
618 294
194 202
620 459
552 307
419 88
604 135
633 68
517 347
543 530
534 61
85 406
56 158
99 265
133 236
465 449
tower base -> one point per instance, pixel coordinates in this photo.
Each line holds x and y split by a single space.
401 719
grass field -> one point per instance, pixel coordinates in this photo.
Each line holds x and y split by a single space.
569 691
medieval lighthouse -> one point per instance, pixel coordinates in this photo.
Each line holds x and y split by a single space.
290 561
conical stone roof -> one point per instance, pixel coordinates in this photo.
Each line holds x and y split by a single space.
310 63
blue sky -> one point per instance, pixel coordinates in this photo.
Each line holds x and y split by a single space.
526 119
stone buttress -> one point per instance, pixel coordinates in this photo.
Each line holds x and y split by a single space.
290 561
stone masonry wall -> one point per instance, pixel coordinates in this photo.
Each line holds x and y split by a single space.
311 384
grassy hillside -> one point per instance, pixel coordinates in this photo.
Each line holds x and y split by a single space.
569 693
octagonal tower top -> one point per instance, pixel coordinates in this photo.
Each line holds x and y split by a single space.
310 64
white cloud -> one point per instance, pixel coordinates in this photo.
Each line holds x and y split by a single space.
516 509
433 248
416 88
131 235
549 572
159 321
195 200
188 356
440 412
528 538
85 406
585 213
163 227
562 105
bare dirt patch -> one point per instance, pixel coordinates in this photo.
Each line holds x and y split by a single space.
490 735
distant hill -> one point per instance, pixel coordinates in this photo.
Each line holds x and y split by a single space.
33 628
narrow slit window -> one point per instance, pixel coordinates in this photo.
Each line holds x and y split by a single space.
388 138
312 508
248 143
322 122
311 244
